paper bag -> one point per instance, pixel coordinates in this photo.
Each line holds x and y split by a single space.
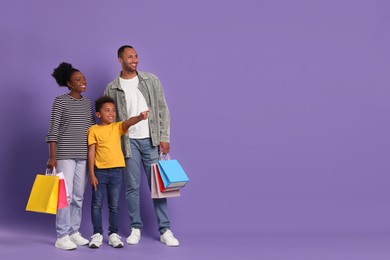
155 186
44 194
172 173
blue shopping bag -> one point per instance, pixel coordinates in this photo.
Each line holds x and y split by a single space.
172 174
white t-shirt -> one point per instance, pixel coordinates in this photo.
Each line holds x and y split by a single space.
136 104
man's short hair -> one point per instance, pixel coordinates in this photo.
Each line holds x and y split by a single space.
122 49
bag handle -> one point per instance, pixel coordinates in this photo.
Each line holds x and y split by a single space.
166 158
53 171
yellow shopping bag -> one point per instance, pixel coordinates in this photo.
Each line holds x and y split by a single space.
44 194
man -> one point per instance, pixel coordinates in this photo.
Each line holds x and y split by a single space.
134 92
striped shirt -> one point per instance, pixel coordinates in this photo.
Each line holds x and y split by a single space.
69 122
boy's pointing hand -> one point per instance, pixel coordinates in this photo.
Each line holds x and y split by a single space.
144 115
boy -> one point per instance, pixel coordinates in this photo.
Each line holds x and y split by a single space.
105 163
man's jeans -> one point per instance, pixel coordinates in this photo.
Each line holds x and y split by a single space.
143 151
110 182
75 172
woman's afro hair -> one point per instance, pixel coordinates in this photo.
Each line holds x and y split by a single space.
63 73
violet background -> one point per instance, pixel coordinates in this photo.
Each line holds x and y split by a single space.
279 115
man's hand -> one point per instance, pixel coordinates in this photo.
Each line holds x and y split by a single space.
164 147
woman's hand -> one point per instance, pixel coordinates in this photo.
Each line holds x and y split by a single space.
51 163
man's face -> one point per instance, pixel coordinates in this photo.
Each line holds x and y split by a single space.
129 60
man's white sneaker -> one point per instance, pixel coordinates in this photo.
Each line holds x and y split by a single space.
96 241
115 241
78 239
169 239
65 243
134 237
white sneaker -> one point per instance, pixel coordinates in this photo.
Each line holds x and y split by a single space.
134 237
169 239
65 243
96 241
115 241
78 239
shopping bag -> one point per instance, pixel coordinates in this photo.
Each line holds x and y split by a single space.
161 183
62 199
172 173
62 192
155 186
62 189
44 194
62 177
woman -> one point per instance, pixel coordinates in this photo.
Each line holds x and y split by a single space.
71 116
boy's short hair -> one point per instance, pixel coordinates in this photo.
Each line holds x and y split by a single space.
103 100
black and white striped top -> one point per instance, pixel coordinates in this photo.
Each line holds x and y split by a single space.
69 122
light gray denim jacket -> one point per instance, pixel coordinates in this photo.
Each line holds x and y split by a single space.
159 121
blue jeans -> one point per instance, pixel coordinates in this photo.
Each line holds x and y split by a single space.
110 182
142 150
75 172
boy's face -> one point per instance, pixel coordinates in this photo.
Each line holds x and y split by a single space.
107 113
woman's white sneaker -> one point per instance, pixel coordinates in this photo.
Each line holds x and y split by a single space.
168 238
65 243
78 239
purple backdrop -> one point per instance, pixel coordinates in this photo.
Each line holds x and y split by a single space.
279 108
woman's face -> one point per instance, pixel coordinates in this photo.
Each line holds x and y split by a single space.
77 82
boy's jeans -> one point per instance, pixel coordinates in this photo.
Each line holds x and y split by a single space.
75 172
110 182
143 151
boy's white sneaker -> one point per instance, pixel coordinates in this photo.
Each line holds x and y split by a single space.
96 241
134 237
115 241
78 239
168 238
65 243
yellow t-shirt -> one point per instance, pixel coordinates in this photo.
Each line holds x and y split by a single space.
107 139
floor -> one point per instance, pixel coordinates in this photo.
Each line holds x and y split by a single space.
15 245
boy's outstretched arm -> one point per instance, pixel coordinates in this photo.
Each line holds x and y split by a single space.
133 120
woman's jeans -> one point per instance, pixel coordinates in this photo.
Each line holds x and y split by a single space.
75 172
